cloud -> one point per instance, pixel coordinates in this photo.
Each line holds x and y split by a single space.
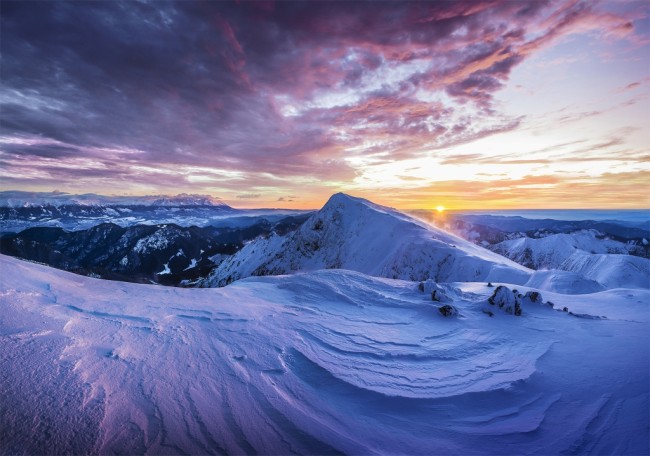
249 196
278 92
594 192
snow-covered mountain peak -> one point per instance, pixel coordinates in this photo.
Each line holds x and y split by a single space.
355 206
342 208
185 199
347 202
356 234
343 198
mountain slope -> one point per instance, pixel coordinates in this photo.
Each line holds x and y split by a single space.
353 233
551 251
327 362
143 253
613 271
166 254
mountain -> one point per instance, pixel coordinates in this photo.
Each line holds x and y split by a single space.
628 234
551 251
613 271
326 362
167 254
22 210
353 233
632 224
143 253
20 199
81 217
587 254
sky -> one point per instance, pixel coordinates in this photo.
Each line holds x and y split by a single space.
464 104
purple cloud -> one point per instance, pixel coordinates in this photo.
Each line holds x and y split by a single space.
274 91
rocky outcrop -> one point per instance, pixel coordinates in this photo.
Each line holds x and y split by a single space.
507 300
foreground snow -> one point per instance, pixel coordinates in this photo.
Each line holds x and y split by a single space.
324 362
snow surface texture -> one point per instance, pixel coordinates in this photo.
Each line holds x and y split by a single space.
353 233
316 363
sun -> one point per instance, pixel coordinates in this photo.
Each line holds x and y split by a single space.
440 208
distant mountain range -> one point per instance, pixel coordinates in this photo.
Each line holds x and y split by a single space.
22 210
21 199
193 240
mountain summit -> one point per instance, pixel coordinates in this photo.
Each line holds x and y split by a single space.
356 234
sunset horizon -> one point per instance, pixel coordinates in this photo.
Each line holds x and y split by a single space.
294 204
471 106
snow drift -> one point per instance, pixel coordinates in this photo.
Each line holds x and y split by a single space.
317 363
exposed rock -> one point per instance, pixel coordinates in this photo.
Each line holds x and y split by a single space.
506 299
588 316
534 296
448 310
438 293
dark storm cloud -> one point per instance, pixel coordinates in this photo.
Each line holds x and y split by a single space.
254 87
44 151
126 73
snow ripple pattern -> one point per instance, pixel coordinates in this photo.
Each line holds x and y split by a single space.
327 362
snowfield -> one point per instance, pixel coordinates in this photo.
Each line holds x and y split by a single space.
317 363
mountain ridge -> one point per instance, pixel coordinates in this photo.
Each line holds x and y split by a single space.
354 233
21 199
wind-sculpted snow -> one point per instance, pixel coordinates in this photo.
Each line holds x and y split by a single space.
315 363
353 233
